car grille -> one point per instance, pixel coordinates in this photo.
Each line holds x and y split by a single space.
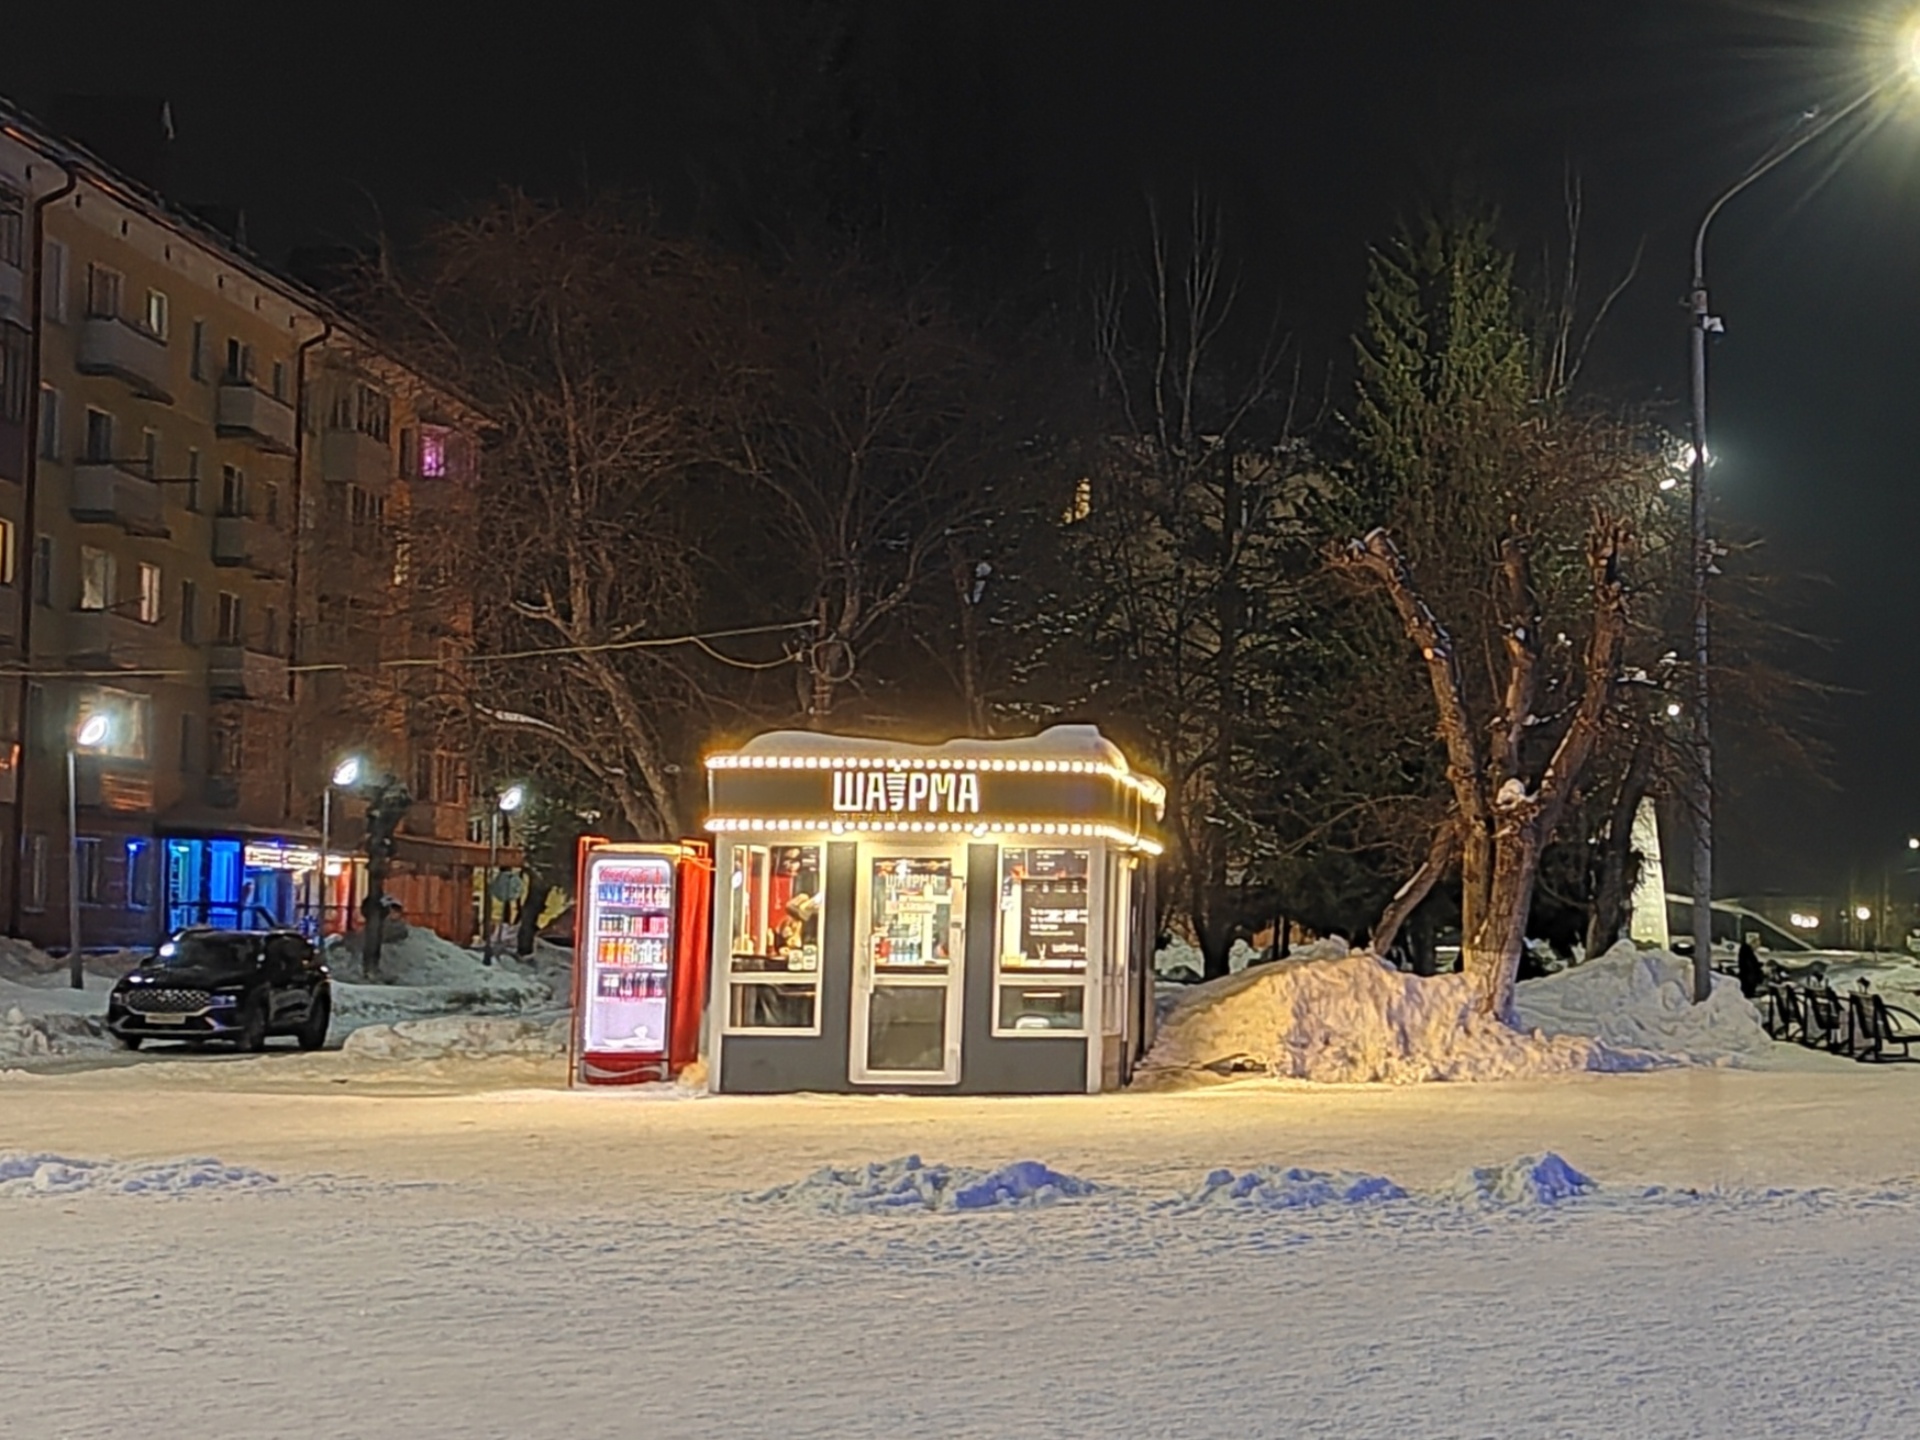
167 1002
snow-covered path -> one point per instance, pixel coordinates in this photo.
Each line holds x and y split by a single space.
580 1265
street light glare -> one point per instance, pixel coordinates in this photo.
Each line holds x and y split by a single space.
511 797
92 731
347 771
1861 912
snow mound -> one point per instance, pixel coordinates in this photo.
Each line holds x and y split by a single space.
1355 1019
32 1036
26 1176
448 1037
423 975
1643 1000
1531 1180
1267 1188
910 1184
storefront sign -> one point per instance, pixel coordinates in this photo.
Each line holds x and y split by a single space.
906 792
262 856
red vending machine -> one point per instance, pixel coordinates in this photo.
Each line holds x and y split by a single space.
640 960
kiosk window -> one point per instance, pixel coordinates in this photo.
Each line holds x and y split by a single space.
1041 985
773 968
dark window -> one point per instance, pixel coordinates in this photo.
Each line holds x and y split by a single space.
13 212
99 436
43 570
33 861
189 612
16 373
92 874
103 292
233 490
197 362
190 753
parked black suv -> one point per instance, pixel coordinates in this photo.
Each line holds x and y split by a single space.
237 985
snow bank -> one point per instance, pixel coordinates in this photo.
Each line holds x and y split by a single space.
909 1184
1643 1000
447 1037
1266 1188
1531 1180
423 975
1357 1019
25 1035
25 1176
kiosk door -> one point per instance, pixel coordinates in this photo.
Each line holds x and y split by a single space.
909 965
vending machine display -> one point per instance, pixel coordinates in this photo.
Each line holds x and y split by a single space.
629 942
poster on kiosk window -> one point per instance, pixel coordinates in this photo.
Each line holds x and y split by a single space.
639 920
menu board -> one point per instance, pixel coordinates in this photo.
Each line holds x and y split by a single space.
629 950
1044 909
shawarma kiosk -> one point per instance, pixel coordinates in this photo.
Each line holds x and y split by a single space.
971 918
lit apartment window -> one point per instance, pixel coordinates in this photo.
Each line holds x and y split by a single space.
16 373
53 282
8 542
33 865
13 214
99 436
104 287
157 314
50 423
189 613
149 611
433 454
43 570
232 619
96 578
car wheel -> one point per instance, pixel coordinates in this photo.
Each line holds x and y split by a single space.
129 1042
312 1033
253 1025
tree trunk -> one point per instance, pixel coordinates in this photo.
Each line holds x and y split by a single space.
1618 870
530 908
1216 944
1491 956
1439 856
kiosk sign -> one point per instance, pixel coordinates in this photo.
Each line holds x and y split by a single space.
906 792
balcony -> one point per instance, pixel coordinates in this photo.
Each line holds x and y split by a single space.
349 458
111 638
245 413
109 494
250 544
235 672
110 346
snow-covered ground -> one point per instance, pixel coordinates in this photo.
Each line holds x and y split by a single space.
1236 1261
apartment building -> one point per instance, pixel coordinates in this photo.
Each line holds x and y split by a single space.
206 479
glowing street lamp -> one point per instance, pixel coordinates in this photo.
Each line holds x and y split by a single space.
504 803
345 776
90 734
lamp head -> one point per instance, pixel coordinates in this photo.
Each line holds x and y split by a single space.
93 731
512 798
1861 912
347 773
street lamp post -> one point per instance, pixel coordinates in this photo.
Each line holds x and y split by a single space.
1702 322
344 777
90 734
505 803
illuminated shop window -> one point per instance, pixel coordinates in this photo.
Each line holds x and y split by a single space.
773 965
1044 913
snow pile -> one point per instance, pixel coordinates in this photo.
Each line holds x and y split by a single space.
422 974
1531 1180
25 1176
26 1035
1357 1019
448 1037
1643 1000
910 1184
1180 960
1266 1188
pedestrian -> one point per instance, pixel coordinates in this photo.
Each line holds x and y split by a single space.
1750 971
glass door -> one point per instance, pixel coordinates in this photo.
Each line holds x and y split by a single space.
908 968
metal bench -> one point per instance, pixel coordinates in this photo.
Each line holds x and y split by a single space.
1879 1028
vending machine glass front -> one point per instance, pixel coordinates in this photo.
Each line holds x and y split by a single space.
630 948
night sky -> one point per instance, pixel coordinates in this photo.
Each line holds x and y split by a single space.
1027 134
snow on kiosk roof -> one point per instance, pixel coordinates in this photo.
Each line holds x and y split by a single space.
1067 780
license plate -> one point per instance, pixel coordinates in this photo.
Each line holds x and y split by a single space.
166 1019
